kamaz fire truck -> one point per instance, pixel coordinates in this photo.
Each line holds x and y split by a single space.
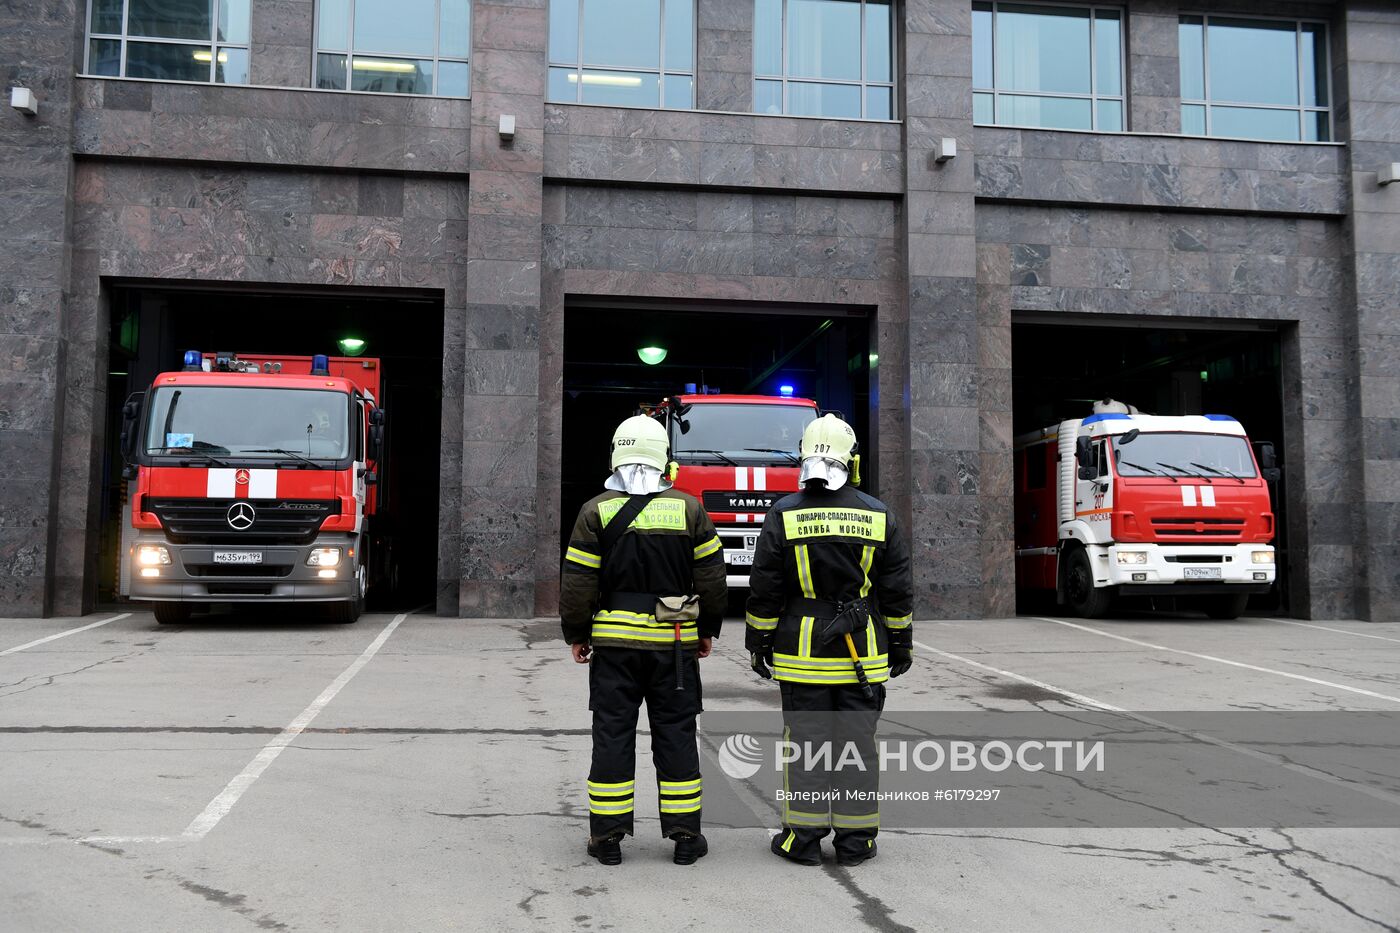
254 482
737 454
1123 503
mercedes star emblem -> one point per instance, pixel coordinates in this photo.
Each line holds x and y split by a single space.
240 516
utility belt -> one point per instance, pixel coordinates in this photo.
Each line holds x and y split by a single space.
835 618
646 620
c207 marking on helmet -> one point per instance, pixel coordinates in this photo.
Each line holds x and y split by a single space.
625 442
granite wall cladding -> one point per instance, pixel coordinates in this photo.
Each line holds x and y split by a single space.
281 44
1373 80
219 225
1212 267
724 55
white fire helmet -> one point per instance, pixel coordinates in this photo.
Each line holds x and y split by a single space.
829 453
640 451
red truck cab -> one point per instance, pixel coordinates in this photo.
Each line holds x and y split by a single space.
254 481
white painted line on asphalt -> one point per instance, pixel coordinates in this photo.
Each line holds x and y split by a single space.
220 806
84 840
1189 733
1077 697
1327 628
1218 660
71 631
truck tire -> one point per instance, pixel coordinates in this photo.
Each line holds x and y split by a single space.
1226 607
348 611
172 613
1083 598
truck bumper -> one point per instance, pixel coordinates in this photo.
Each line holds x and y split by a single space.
1188 569
739 543
281 576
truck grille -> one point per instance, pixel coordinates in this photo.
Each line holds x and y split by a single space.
1215 528
716 500
274 521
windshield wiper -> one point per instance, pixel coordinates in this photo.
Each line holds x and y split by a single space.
1218 472
1149 470
192 459
718 453
1183 471
774 450
288 453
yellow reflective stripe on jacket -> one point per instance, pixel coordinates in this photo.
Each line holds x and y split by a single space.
898 621
804 572
867 557
709 547
801 675
583 558
804 637
638 633
667 514
828 664
760 623
841 523
870 646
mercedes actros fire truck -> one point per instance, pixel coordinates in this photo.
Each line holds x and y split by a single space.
737 454
253 481
1123 503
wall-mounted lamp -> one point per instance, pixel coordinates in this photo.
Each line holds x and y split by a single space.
507 127
23 100
945 149
1388 173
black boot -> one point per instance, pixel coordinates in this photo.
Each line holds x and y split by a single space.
787 845
607 850
854 855
690 849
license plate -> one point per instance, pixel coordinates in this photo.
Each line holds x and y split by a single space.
1200 573
741 559
238 557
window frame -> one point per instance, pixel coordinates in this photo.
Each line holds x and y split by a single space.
213 45
1301 109
579 66
1093 97
864 83
350 52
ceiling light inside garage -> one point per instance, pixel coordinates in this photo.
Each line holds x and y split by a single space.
651 355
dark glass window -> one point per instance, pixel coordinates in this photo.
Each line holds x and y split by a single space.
1058 67
720 433
824 58
394 46
169 40
1254 78
628 53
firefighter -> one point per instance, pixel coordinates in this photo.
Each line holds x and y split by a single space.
637 543
829 616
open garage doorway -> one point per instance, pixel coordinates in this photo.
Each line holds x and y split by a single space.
818 354
1061 366
153 324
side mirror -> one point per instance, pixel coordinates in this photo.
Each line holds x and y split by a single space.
1268 457
1084 453
376 416
131 421
376 438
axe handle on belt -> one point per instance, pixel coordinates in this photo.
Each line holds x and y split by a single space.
860 669
680 662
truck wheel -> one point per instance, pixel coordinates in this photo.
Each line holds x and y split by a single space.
347 611
1226 607
1084 599
172 613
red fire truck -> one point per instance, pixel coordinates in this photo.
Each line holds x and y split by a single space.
1122 503
254 482
737 454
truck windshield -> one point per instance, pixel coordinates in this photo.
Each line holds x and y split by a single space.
248 423
739 433
1213 455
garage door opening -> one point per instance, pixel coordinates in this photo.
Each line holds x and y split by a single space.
1163 368
152 327
613 364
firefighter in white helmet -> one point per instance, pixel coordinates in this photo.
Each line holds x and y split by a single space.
642 594
828 616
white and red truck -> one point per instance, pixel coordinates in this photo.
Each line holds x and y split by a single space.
253 480
1123 503
737 454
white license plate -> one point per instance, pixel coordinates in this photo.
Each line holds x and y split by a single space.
741 559
1200 573
238 557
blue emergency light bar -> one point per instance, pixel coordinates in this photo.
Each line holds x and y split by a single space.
320 365
194 361
786 390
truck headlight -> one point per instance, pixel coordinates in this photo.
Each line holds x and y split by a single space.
1263 557
1132 557
323 557
151 555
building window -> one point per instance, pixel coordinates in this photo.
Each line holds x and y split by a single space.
1057 67
1254 78
628 53
394 46
169 40
824 58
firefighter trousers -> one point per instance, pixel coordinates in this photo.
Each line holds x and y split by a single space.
835 774
619 680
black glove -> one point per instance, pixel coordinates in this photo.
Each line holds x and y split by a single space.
901 659
762 662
